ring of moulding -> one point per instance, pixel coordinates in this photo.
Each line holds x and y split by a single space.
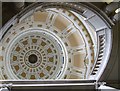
52 44
36 54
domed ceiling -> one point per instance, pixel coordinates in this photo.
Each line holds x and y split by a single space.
51 43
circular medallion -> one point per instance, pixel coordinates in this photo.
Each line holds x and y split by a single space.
37 54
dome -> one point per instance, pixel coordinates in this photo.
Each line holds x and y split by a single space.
55 41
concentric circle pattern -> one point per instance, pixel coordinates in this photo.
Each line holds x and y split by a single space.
36 54
49 43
